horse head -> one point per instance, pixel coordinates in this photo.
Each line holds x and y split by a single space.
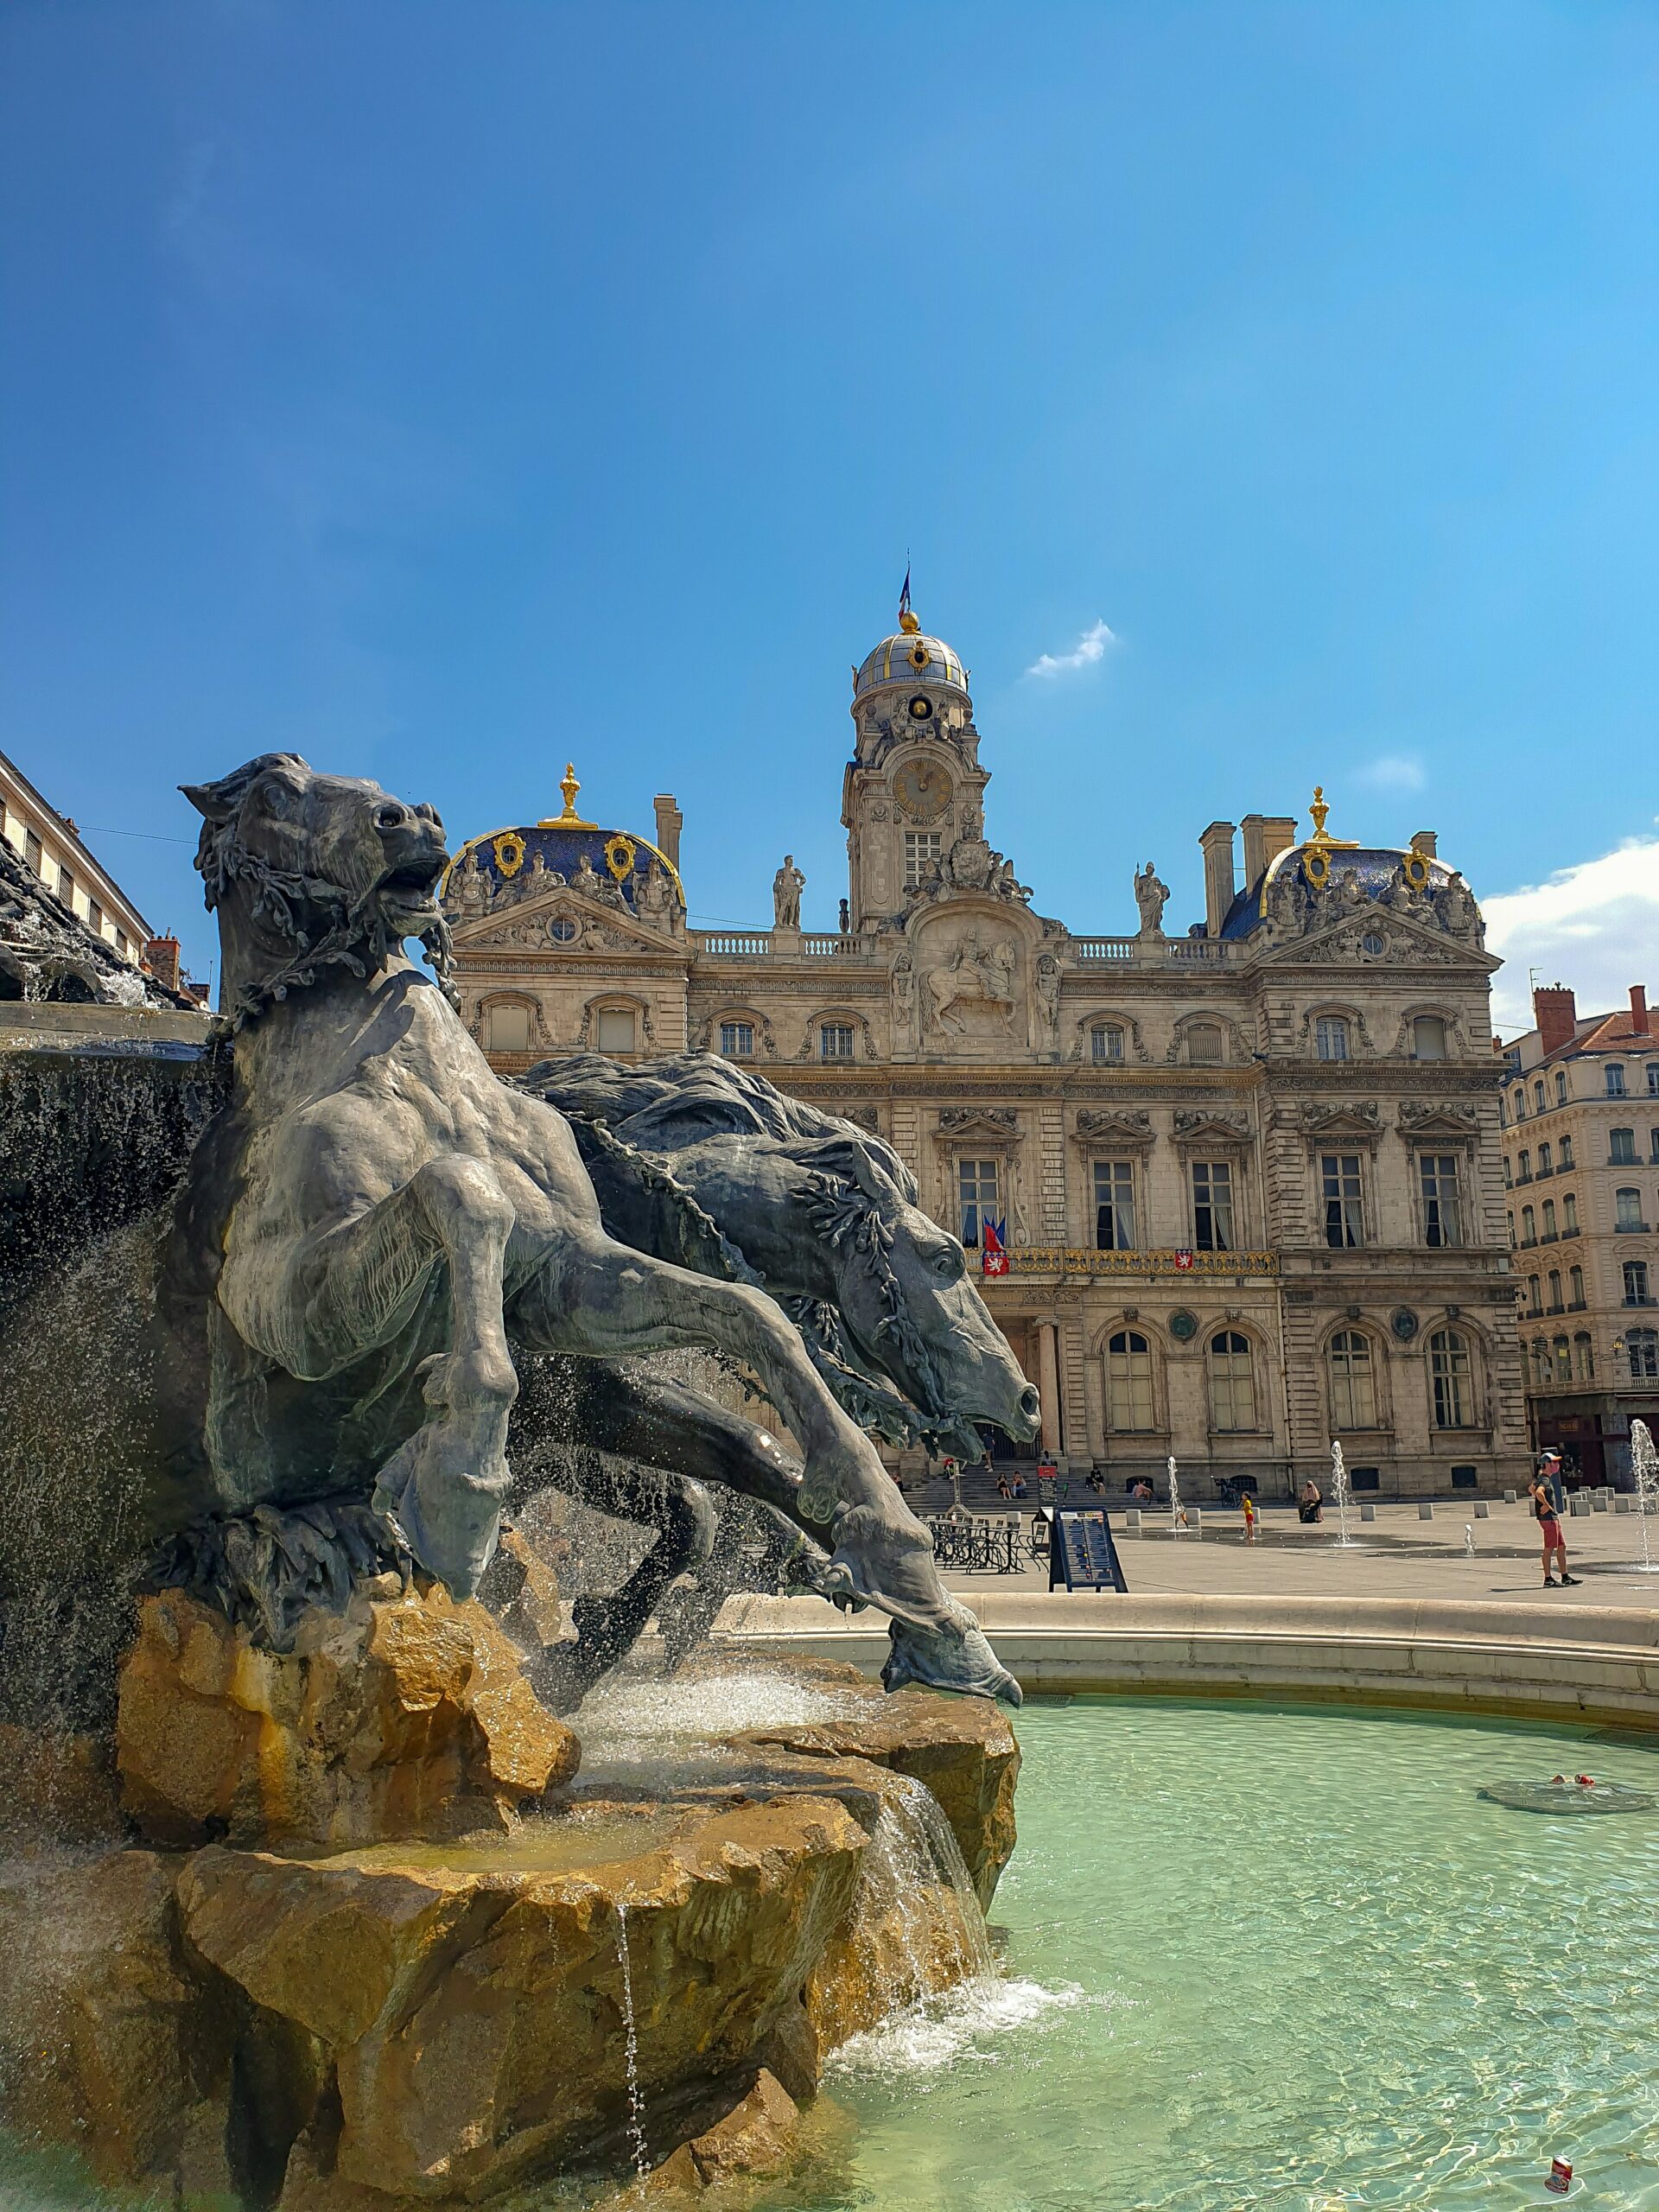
907 1304
308 872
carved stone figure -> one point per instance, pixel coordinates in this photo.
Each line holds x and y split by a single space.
342 1285
786 888
904 1000
654 897
975 975
470 891
585 879
1150 896
1048 1001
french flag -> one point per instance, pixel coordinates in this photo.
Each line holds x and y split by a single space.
993 1259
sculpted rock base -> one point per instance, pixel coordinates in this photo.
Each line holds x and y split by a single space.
407 1715
404 2021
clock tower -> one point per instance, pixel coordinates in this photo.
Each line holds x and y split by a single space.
913 786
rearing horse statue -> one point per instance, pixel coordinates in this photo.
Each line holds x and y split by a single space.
376 1223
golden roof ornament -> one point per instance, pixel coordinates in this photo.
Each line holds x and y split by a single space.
569 819
1318 848
908 622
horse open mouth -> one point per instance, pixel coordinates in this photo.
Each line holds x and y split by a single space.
411 888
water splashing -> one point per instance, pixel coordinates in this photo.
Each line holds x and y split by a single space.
1177 1521
1340 1492
1644 1462
630 2044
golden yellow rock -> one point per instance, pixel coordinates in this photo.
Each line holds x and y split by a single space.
756 2137
407 1715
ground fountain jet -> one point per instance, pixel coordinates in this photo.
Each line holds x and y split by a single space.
1339 1492
1644 1465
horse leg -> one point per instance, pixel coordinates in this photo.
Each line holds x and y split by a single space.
604 1300
351 1289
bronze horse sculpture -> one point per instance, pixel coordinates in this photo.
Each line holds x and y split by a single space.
374 1228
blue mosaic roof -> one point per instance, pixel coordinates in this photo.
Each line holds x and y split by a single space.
524 856
1376 866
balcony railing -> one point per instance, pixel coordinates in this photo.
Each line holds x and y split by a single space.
1073 1260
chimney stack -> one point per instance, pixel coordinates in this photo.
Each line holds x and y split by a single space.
1425 841
1266 835
1217 845
162 958
1555 1011
1639 1008
670 820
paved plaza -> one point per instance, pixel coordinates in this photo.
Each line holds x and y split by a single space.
1396 1555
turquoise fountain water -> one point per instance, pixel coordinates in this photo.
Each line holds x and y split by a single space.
1286 1960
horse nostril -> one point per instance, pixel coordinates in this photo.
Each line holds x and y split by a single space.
1030 1404
430 814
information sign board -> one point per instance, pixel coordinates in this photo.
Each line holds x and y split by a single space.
1081 1553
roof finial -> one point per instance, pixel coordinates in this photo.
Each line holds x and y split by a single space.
907 621
1319 809
569 819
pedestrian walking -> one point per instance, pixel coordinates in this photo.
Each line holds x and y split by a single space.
1248 1505
1549 1530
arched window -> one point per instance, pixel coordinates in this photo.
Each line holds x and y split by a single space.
836 1040
737 1039
1555 1290
1627 1210
1535 1295
1353 1381
1583 1356
1510 1218
1106 1041
1570 1214
1566 1154
1560 1086
1429 1037
1546 1162
618 1029
1563 1360
1550 1221
1331 1037
1642 1347
1454 1385
1575 1284
1528 1226
1537 1363
1537 1097
1232 1385
1635 1283
1519 1101
1652 1078
1523 1167
1128 1382
506 1027
1615 1082
1204 1043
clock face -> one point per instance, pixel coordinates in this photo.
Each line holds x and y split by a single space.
921 708
923 788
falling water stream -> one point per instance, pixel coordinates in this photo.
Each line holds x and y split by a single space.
1644 1463
636 2095
1339 1490
1177 1512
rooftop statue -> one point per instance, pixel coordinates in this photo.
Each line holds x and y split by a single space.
375 1224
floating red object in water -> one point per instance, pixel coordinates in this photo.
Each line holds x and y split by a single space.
1560 2175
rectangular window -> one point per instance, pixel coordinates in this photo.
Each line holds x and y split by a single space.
921 855
507 1028
1627 1210
1570 1213
32 851
737 1039
1560 1086
1652 1078
836 1040
1635 1282
66 887
1345 1219
1106 1042
94 918
1566 1154
1331 1037
1114 1205
1212 1206
1442 1198
616 1030
977 1184
1448 1362
1615 1083
1622 1148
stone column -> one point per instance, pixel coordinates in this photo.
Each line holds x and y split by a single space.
1048 1385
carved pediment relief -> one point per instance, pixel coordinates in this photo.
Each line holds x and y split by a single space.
1449 1119
999 1123
1373 935
563 921
1200 1125
1358 1123
1127 1131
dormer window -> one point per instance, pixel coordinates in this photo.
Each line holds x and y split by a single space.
1615 1081
1331 1037
1106 1042
1204 1045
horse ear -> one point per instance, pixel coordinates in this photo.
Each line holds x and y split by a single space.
220 801
846 1156
211 800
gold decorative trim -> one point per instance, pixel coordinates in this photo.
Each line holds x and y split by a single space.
508 849
619 856
1068 1260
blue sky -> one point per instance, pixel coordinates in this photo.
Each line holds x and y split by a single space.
443 388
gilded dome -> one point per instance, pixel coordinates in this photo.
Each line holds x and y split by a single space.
910 656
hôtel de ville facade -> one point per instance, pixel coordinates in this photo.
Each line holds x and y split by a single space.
1248 1175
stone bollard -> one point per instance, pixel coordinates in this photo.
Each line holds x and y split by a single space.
1425 1511
1578 1505
1367 1511
1195 1519
1510 1498
1482 1510
1621 1503
1597 1501
1132 1521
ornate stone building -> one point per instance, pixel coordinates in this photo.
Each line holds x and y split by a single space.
1248 1178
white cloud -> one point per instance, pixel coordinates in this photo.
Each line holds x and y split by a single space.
1594 927
1089 648
1393 771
